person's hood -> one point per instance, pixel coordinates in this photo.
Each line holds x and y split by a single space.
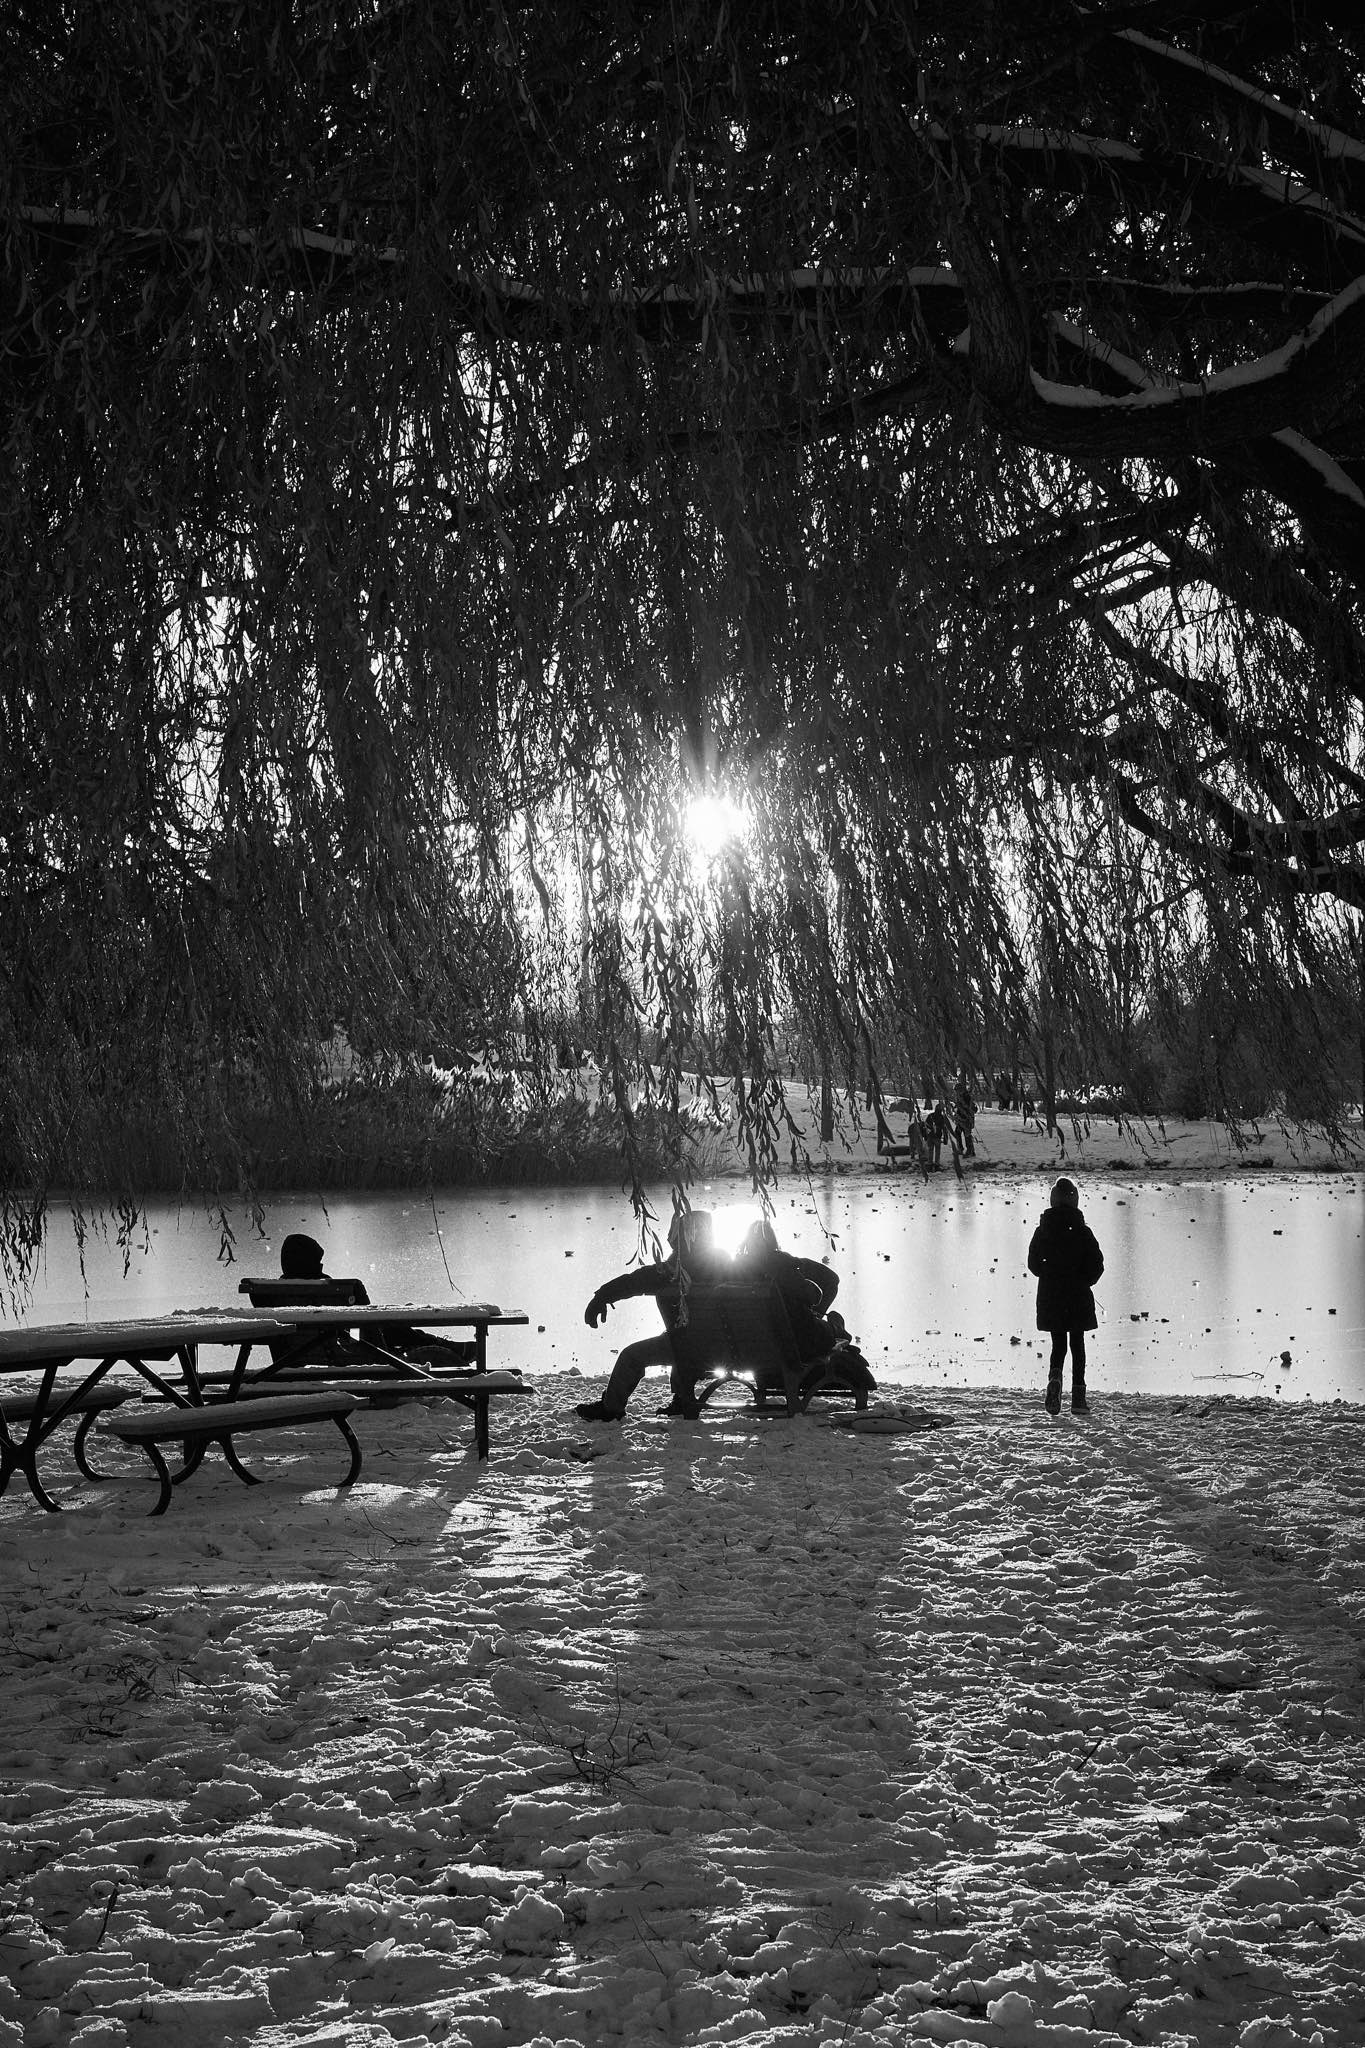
301 1257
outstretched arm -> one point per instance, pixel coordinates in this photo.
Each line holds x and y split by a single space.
644 1280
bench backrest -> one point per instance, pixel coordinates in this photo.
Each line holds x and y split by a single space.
279 1293
742 1325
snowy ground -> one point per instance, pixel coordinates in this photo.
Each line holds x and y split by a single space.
1039 1733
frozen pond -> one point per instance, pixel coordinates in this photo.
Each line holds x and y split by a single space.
1206 1283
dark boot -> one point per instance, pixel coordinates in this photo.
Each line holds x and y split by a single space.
1079 1404
597 1411
1053 1399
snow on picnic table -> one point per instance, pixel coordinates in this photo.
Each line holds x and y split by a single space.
1006 1731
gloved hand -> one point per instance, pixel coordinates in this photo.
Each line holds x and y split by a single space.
596 1310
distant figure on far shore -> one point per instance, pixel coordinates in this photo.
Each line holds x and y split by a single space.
964 1110
935 1129
1067 1259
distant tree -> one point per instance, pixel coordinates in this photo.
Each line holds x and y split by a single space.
437 441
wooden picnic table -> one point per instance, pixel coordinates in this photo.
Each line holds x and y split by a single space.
152 1342
142 1344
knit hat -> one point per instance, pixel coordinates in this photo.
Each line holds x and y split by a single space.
300 1258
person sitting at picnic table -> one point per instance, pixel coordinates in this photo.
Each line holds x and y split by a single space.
301 1259
693 1255
807 1287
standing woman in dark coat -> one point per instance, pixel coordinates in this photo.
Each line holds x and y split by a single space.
1064 1254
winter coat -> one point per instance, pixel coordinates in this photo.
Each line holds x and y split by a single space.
1068 1261
807 1288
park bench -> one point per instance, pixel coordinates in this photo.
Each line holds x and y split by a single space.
385 1390
218 1422
887 1147
740 1330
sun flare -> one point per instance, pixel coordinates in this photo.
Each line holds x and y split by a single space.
713 823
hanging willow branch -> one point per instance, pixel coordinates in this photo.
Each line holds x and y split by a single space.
438 442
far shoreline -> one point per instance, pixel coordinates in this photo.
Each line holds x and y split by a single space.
1163 1151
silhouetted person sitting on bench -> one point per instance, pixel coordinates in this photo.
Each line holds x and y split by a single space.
301 1259
807 1287
693 1256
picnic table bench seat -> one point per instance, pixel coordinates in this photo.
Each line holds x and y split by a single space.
217 1422
376 1390
740 1330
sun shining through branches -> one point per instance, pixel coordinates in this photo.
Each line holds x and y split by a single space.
715 823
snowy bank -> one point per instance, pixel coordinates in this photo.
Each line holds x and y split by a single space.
1003 1731
1157 1148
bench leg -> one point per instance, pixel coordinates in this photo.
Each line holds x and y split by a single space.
344 1426
193 1449
78 1450
23 1457
229 1451
163 1473
226 1446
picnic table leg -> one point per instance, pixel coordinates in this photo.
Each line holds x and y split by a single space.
192 1450
238 1371
188 1355
163 1473
78 1447
23 1456
481 1424
225 1444
353 1440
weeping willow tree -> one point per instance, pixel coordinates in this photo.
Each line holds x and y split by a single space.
441 441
